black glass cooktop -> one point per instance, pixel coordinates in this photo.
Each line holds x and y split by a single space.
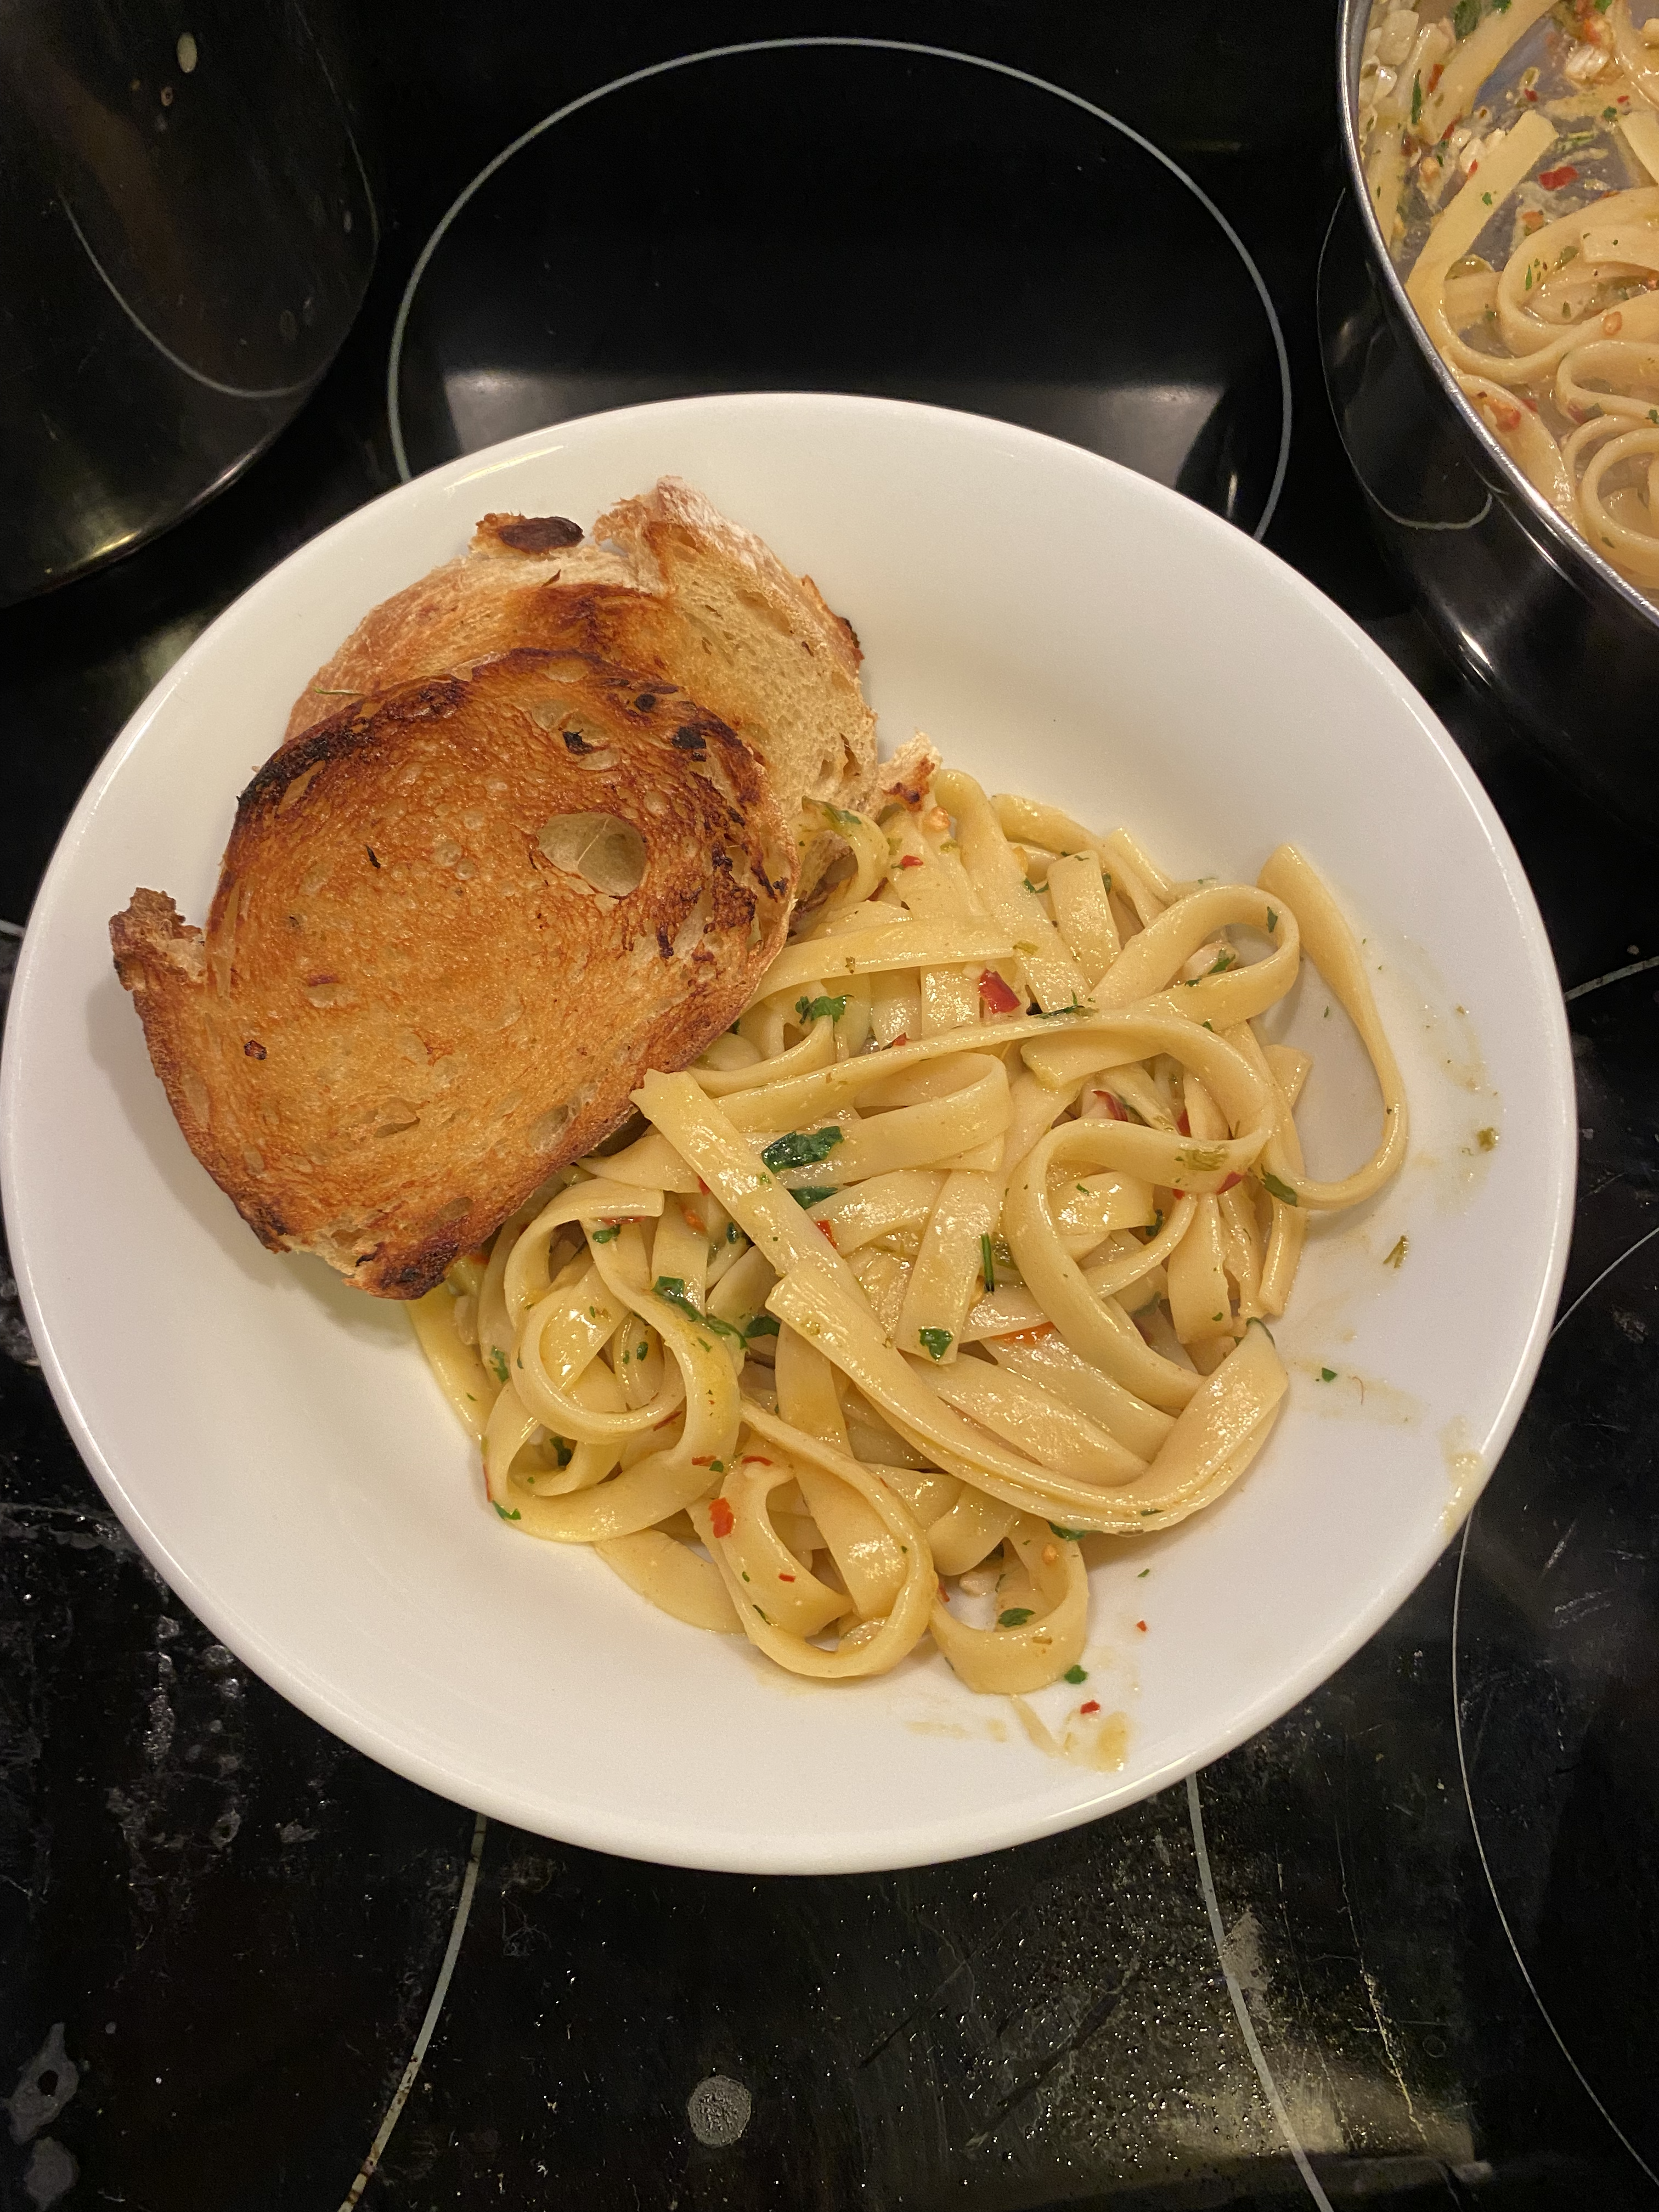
1401 1950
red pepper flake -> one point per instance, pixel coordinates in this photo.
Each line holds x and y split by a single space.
910 860
1530 95
706 1460
1436 74
1114 1109
996 994
943 1595
1230 1181
783 1577
703 1187
903 1037
753 1459
1553 179
1093 1706
694 1221
722 1518
1141 1626
829 1232
1184 1124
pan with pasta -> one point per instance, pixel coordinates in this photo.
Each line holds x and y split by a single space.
963 1246
1512 156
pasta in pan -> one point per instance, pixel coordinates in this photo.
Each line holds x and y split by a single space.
960 1247
1511 153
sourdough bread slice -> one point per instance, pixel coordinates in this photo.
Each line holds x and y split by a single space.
664 584
454 927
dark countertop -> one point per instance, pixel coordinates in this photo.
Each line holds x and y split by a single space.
1399 1950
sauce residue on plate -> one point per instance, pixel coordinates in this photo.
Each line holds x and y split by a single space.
1340 1390
1100 1741
1465 1468
996 1730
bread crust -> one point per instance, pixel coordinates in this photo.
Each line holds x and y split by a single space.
423 984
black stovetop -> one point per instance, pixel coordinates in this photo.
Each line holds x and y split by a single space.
1401 1948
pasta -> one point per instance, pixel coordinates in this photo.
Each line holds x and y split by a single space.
960 1247
1524 202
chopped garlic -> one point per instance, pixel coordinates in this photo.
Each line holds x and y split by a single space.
1397 37
1585 63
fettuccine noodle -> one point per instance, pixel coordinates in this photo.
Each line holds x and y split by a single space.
959 1248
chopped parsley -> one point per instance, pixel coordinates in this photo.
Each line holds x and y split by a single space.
1396 1254
801 1148
987 1266
1203 1161
1417 102
814 1010
809 1193
1223 959
1328 1374
673 1288
1273 922
1016 1616
935 1342
1067 1535
603 1235
1465 15
1274 1188
498 1361
514 1515
1075 1675
762 1325
1142 1576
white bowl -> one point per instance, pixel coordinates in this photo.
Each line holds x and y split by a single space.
1061 627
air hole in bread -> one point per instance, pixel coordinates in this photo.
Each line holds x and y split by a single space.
691 929
546 1129
296 790
578 734
605 851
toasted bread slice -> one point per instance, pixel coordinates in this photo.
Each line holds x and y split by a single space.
454 927
664 584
